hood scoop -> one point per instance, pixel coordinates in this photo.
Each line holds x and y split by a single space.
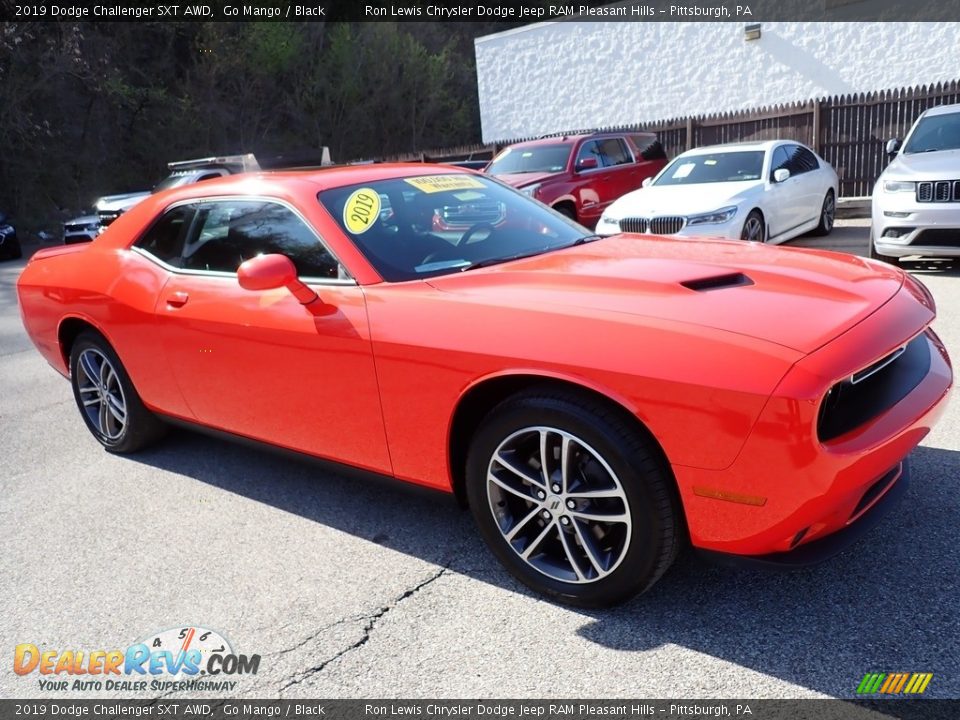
717 282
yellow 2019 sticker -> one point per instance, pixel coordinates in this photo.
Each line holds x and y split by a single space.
442 183
361 210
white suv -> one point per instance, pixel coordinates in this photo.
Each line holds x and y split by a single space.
916 201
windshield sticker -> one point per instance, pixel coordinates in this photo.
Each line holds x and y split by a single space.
468 195
361 210
711 161
443 183
683 170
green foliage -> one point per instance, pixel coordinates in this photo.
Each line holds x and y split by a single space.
95 108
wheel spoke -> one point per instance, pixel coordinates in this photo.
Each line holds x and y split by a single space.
501 484
600 517
570 551
91 401
520 525
501 460
595 494
104 419
89 369
544 451
538 540
117 409
564 463
589 549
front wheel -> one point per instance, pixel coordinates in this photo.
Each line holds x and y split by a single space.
108 402
753 227
572 499
828 213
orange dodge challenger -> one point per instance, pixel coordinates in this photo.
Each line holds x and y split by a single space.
598 402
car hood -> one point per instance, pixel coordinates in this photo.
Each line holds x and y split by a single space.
523 179
799 299
658 200
941 165
120 202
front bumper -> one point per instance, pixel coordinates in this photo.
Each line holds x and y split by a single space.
788 488
902 226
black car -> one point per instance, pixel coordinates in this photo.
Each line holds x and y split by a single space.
9 243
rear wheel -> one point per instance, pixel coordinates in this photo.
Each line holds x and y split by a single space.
573 500
108 402
828 214
754 228
879 256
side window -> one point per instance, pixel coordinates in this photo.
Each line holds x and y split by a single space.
649 147
228 232
209 176
780 160
614 152
589 149
806 160
164 239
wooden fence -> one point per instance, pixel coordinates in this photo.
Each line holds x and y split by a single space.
849 131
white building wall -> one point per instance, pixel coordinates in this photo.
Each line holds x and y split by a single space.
558 76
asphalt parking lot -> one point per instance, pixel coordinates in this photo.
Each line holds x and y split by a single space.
351 589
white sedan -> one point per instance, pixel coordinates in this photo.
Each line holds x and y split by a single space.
766 191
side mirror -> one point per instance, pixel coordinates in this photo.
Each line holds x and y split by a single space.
780 175
647 182
268 272
587 163
893 145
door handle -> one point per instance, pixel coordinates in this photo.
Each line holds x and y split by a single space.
177 299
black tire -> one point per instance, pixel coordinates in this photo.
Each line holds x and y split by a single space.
140 427
754 216
644 549
828 213
874 255
567 211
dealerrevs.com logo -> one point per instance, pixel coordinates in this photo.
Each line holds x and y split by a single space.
186 658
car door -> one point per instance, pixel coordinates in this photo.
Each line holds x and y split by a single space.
806 166
258 363
784 208
622 172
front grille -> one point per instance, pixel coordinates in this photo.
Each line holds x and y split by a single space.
634 225
939 191
938 237
668 225
873 390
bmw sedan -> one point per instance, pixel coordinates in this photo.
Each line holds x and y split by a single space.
763 192
598 403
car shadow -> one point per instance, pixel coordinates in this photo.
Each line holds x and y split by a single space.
887 604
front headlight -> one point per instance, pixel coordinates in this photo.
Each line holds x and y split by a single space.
531 190
894 186
713 218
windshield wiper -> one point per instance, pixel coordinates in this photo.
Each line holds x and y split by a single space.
585 239
497 260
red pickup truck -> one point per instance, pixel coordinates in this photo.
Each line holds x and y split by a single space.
580 175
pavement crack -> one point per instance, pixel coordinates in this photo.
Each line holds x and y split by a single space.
369 620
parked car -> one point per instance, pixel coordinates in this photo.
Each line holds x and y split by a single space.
81 229
765 192
916 200
9 242
580 175
598 402
184 172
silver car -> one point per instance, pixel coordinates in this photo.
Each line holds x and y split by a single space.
916 201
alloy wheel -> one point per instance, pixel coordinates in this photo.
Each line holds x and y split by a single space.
101 394
559 505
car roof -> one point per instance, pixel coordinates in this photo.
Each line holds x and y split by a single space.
575 137
741 146
942 110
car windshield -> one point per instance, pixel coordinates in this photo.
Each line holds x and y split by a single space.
531 159
713 168
416 227
935 132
